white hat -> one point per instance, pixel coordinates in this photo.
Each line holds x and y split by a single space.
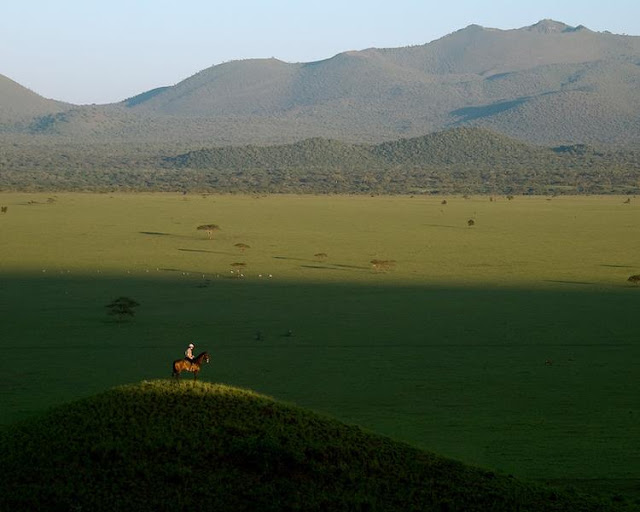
191 345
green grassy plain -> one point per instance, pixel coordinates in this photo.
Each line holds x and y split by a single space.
446 350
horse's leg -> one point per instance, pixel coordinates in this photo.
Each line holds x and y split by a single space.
195 375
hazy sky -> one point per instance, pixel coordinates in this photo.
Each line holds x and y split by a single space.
87 51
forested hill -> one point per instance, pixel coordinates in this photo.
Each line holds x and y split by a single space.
548 83
461 160
460 146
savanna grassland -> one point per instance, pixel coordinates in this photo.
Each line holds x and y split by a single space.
511 344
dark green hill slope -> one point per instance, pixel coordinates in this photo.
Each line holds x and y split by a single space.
165 446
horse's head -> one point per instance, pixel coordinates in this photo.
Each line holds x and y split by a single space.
207 358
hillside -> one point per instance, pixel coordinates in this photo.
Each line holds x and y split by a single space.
163 446
548 83
19 105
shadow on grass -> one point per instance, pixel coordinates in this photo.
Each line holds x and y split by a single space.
288 258
225 253
321 267
327 266
425 349
568 282
448 226
170 235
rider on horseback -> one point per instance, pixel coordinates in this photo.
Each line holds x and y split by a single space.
188 354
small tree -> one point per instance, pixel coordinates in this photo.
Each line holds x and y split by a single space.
321 255
122 307
382 265
471 222
209 228
635 279
242 247
4 209
239 267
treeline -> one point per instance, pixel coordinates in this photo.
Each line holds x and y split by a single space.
463 160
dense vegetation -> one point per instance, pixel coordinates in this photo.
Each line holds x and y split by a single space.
161 445
463 160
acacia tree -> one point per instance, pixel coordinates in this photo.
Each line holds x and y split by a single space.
382 265
122 307
209 228
238 268
242 247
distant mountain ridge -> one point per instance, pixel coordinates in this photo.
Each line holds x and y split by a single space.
547 83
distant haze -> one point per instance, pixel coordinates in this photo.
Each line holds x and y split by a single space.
102 52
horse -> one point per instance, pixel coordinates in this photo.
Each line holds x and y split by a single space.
182 365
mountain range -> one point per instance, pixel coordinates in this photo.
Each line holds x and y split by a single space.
548 83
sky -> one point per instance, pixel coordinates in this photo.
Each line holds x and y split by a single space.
87 51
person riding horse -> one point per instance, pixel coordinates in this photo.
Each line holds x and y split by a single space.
188 354
190 363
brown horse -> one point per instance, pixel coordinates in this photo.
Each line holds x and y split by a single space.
182 365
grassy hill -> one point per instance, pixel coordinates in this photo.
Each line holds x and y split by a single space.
160 445
548 83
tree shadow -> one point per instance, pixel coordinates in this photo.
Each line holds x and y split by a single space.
171 235
207 251
448 226
560 281
321 267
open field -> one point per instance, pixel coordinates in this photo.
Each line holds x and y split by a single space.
446 349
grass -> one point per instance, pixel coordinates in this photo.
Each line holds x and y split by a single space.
161 445
446 351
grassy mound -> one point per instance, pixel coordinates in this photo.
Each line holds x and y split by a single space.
165 446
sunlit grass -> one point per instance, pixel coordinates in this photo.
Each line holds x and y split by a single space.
532 241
